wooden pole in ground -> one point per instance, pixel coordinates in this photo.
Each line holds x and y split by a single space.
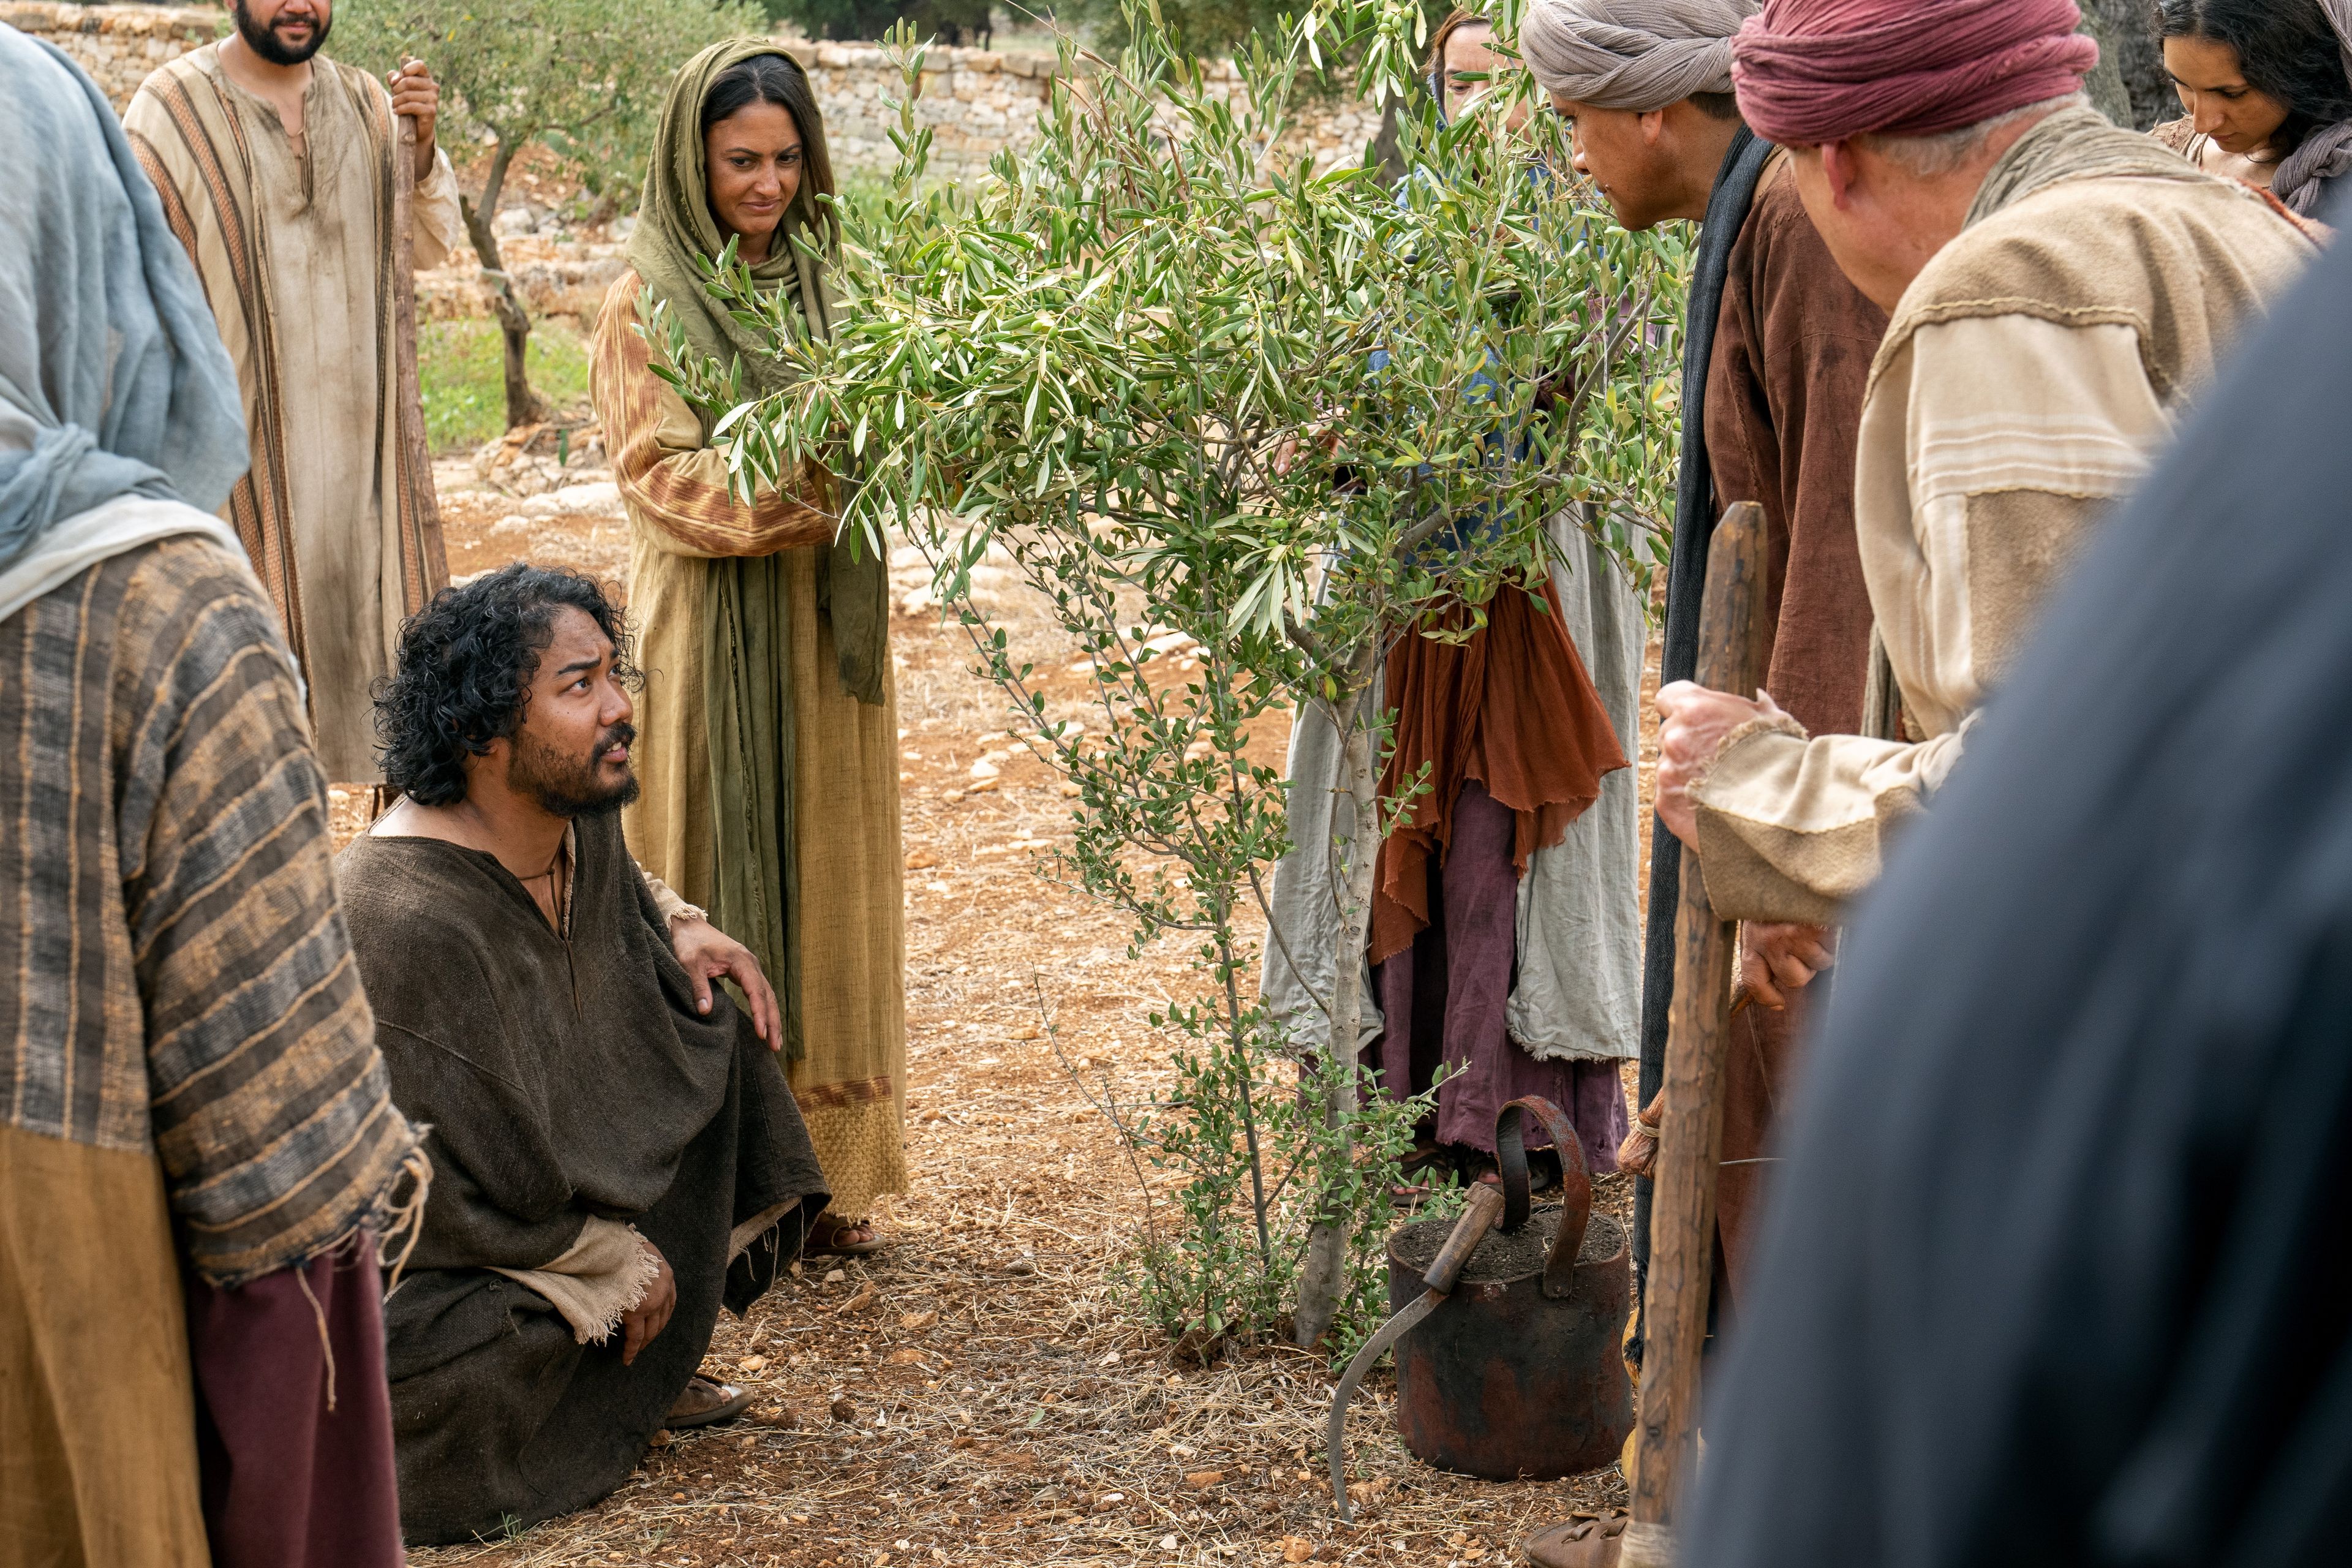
1733 645
423 561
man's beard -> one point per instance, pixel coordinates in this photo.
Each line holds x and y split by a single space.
264 42
569 786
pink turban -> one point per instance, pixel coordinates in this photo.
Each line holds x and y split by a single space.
1809 71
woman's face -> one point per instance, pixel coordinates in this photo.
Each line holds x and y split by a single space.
751 161
2240 117
1471 66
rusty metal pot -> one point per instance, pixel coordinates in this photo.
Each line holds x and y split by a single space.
1518 1375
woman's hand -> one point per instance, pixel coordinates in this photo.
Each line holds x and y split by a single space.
649 1317
707 951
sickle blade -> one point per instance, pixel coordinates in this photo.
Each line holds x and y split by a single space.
1374 1348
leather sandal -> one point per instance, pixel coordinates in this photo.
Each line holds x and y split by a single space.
1589 1541
825 1238
706 1401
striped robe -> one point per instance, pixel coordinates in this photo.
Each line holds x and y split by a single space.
189 1076
851 1082
291 248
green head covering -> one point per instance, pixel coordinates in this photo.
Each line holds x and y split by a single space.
746 662
676 228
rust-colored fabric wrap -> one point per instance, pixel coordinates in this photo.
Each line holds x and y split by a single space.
1510 706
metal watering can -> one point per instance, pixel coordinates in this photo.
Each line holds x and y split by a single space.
1517 1373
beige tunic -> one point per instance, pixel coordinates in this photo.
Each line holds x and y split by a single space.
2029 375
291 241
852 1082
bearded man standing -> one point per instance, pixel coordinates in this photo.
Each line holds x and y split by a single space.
2059 290
275 169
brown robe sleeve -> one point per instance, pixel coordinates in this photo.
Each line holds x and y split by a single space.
1793 350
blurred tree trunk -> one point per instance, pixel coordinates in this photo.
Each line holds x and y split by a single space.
524 407
2130 87
1384 144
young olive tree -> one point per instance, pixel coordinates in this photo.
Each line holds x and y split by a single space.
1212 403
584 79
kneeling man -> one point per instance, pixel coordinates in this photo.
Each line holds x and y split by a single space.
617 1153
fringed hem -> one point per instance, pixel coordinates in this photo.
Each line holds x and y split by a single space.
641 1278
396 1221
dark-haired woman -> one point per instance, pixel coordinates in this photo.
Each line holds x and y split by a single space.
768 723
2268 87
1462 63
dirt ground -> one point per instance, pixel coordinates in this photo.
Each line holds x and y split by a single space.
975 1393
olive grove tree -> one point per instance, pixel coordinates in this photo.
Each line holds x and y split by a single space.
1204 394
583 78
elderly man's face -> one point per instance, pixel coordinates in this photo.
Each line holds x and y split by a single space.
571 754
1624 154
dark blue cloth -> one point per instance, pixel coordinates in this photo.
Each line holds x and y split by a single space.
1727 214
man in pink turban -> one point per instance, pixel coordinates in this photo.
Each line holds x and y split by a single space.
2058 289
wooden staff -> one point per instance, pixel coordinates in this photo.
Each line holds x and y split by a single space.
424 562
1733 634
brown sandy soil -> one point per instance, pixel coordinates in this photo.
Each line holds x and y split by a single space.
976 1393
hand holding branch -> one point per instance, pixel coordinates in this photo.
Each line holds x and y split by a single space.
1692 724
414 93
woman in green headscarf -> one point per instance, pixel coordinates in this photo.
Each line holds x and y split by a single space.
768 721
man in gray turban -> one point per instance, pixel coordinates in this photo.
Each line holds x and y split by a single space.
1640 55
1778 350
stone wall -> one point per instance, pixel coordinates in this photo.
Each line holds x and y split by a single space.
118 45
976 101
979 101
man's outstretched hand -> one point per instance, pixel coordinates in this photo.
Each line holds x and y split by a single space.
1775 960
708 953
649 1317
1692 723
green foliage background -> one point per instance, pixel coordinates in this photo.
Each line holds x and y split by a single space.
457 378
583 78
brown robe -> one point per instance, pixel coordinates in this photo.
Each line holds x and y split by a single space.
1512 709
1792 350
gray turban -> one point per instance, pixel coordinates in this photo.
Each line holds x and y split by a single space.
1631 54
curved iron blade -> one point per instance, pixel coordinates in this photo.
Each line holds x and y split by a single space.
1335 1435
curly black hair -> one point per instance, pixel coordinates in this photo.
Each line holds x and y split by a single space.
467 662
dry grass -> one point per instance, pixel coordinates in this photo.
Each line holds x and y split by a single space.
975 1393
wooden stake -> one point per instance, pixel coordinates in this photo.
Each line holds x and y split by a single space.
424 561
1732 634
